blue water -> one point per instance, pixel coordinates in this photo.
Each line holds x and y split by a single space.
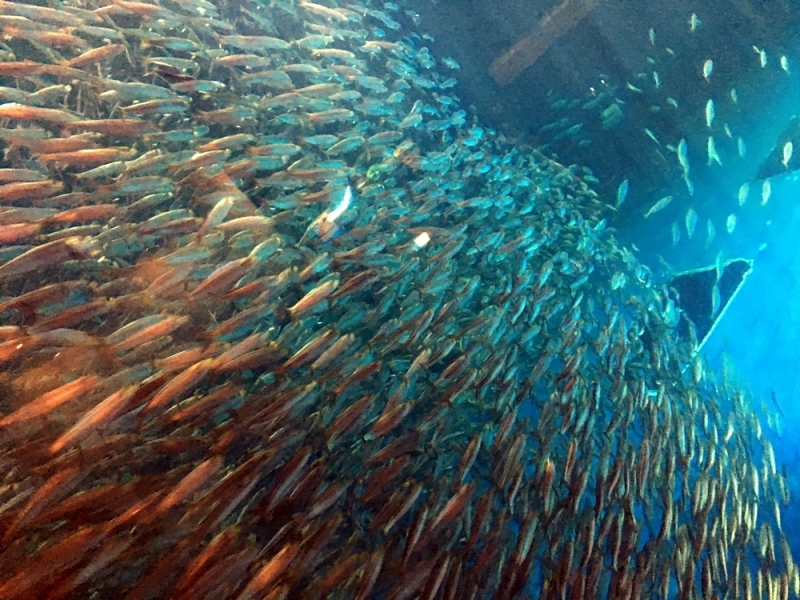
758 331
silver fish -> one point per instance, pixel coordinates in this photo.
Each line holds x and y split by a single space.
658 206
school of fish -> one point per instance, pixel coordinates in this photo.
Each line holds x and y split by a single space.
279 320
691 140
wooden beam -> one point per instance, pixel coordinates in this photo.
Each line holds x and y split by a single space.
527 51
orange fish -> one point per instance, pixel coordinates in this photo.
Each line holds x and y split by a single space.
104 412
314 297
52 400
20 112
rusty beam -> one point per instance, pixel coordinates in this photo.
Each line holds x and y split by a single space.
527 51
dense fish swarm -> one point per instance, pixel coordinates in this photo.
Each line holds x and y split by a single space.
278 323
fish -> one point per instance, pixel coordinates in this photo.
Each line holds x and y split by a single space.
622 192
694 23
744 190
346 145
766 191
52 399
775 402
727 130
104 412
785 64
711 233
691 222
683 156
762 56
730 223
713 155
708 68
710 113
658 206
779 159
313 297
715 300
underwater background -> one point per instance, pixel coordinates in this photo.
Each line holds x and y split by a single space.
431 299
615 46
